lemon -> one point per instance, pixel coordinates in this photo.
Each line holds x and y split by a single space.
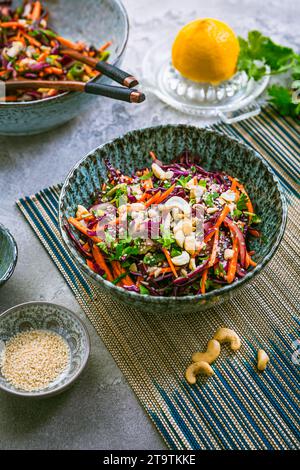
206 50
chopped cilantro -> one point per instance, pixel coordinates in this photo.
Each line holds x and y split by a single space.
260 56
147 176
209 198
175 252
143 290
237 213
152 259
118 279
183 180
242 202
255 219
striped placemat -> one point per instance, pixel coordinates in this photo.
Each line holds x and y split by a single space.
237 408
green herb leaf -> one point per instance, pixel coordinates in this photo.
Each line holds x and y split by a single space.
175 252
152 259
118 279
209 198
143 290
241 205
282 98
183 180
147 176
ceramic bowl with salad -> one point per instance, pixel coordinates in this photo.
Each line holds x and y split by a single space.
172 217
33 36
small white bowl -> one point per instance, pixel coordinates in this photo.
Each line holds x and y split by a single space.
49 317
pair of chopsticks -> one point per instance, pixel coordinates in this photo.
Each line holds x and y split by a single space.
123 93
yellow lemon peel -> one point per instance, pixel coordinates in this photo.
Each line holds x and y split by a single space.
206 50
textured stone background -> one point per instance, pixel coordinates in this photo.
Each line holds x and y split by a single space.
101 411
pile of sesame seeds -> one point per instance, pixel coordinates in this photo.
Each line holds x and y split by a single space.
31 360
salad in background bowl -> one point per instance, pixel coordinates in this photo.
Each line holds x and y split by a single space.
90 24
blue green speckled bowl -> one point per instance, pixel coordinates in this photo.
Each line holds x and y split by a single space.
92 21
8 254
218 152
56 319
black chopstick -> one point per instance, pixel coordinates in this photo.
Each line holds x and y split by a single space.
111 71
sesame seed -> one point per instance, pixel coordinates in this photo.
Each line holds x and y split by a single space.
31 360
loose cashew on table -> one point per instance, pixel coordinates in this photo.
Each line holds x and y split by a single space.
225 335
210 355
202 360
198 368
262 360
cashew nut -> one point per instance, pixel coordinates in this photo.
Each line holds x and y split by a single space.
182 259
197 192
192 264
197 368
179 238
160 173
262 360
228 196
212 210
179 203
190 244
210 355
225 335
228 253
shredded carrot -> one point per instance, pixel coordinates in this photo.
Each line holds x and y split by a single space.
170 262
11 24
31 40
91 265
54 70
36 11
214 249
209 236
232 265
42 57
105 46
203 281
152 155
126 280
69 44
10 98
153 199
254 233
144 197
86 246
166 194
223 214
233 184
99 258
52 92
83 229
251 262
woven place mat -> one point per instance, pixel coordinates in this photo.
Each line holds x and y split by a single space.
237 408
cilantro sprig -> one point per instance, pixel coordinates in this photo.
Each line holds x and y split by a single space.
260 56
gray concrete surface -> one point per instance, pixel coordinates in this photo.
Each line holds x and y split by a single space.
101 411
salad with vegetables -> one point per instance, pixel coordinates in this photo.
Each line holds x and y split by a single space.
30 49
170 230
